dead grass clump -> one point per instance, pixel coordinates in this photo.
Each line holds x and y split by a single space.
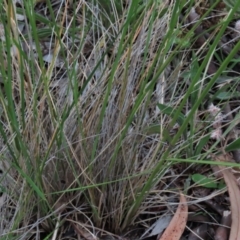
95 98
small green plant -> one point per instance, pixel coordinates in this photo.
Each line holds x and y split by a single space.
207 182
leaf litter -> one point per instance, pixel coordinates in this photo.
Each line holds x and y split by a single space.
234 195
178 223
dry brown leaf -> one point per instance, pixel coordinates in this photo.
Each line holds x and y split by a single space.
234 195
177 225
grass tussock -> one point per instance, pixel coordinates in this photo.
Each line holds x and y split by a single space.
97 99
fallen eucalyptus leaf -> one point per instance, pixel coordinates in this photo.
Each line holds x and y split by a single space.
178 223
